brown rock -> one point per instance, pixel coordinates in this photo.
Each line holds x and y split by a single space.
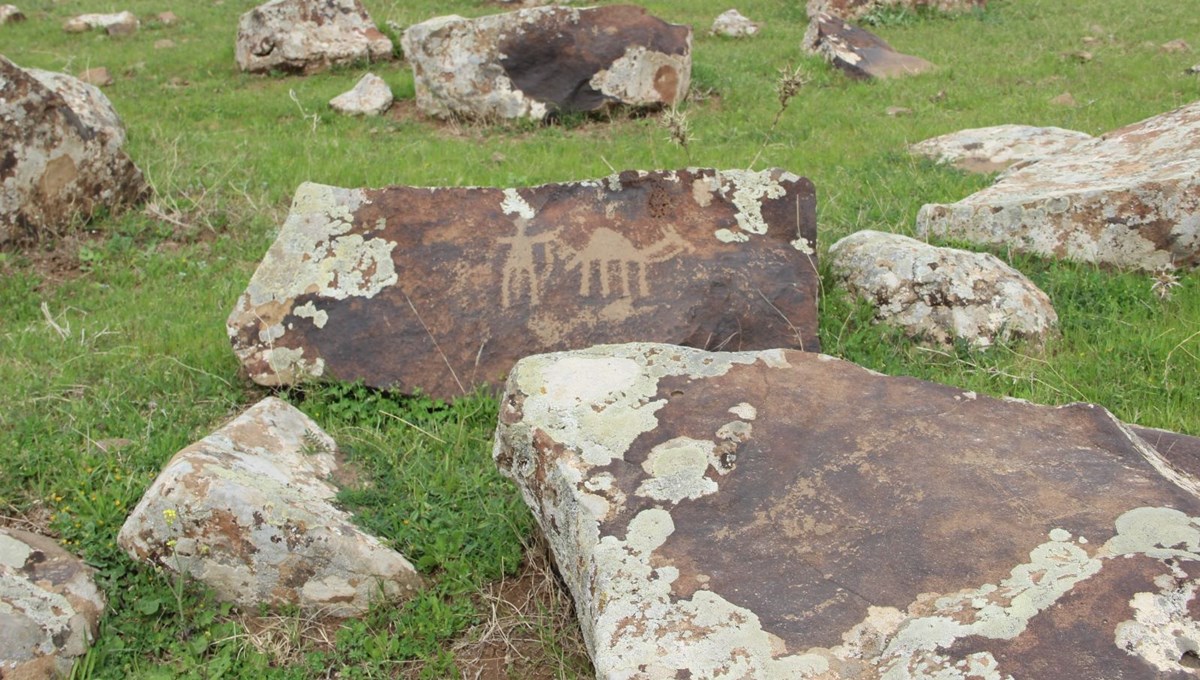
442 290
167 18
859 53
784 514
306 36
164 44
10 14
1064 99
98 76
853 9
1179 45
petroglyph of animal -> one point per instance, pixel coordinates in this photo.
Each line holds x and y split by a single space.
608 249
521 263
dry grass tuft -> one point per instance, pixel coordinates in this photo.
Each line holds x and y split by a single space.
286 638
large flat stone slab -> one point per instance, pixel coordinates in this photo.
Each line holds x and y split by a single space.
996 148
1129 199
306 36
856 51
783 514
442 290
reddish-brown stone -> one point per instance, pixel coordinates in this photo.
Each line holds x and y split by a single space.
858 52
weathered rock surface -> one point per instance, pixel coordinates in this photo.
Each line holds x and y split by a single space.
442 290
98 76
371 96
531 62
784 514
852 9
942 294
49 607
248 511
120 23
61 154
306 36
732 24
858 52
10 14
996 148
1130 199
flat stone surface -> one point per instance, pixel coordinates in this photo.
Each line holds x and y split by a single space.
117 23
996 148
1129 199
531 62
856 51
306 36
942 294
61 154
783 514
50 607
442 290
248 511
371 96
853 9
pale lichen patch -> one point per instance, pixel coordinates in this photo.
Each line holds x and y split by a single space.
676 470
514 204
309 310
1162 630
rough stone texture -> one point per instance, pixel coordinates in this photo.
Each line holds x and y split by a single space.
732 24
1130 198
306 36
371 96
1180 450
784 514
98 76
10 14
60 154
531 62
443 290
942 294
49 607
120 23
857 52
852 9
247 511
996 148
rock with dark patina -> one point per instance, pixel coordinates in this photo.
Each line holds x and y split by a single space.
858 52
61 155
442 290
306 36
853 9
784 514
531 62
1130 198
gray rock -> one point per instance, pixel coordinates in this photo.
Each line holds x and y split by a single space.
858 52
50 607
732 24
1129 199
942 294
996 148
120 23
9 14
371 96
852 9
531 62
306 36
248 512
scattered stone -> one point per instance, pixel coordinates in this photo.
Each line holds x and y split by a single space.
1081 56
1179 45
1090 40
532 62
1194 70
783 514
121 23
9 14
897 111
164 44
1127 199
50 607
853 9
306 36
992 149
442 290
1064 99
248 512
858 53
370 97
942 294
732 24
167 18
98 76
62 155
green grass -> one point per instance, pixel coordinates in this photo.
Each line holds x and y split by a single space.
137 348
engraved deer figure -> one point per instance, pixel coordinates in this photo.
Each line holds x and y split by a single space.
606 248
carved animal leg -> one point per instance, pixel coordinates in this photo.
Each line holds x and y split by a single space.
605 289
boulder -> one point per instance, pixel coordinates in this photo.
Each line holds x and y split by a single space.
248 511
306 36
10 14
442 290
732 24
853 9
1129 199
941 294
371 96
783 514
61 154
857 52
50 607
120 23
531 62
996 148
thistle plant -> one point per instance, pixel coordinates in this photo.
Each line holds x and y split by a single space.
1165 280
789 83
677 124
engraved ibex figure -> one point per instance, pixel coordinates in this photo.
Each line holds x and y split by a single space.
521 264
607 247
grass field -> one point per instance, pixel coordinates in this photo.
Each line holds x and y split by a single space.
113 352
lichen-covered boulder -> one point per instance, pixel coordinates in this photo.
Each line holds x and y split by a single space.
732 24
531 62
371 96
442 290
119 23
61 154
1130 199
248 511
306 36
941 294
999 147
10 14
857 52
50 607
853 9
783 514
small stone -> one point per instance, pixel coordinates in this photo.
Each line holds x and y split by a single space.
164 44
1082 56
167 18
306 36
858 52
1193 70
371 96
1090 40
98 76
732 24
898 111
1179 45
121 23
9 14
1064 99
